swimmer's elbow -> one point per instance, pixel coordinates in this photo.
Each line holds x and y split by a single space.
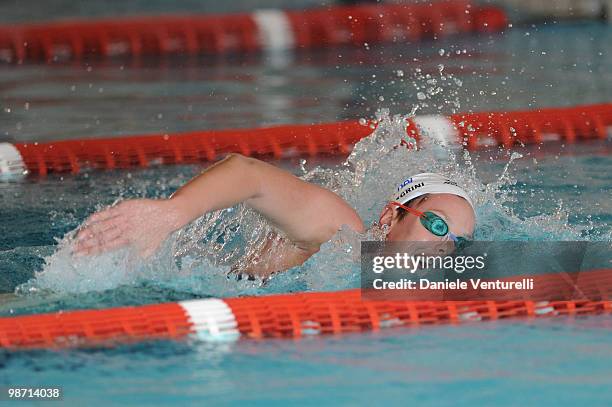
250 170
246 164
237 158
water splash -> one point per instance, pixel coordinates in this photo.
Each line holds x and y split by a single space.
206 257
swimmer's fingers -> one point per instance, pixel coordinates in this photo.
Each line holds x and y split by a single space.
92 230
125 210
106 247
104 215
97 234
112 239
88 239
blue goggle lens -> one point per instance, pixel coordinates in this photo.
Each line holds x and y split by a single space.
434 224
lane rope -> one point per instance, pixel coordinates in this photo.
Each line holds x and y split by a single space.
469 130
295 315
245 32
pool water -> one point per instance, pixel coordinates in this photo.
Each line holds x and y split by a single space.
554 362
565 361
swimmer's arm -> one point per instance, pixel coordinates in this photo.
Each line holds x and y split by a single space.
308 214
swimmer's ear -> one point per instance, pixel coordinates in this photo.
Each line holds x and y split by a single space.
386 215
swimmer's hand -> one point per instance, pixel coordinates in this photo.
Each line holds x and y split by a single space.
141 223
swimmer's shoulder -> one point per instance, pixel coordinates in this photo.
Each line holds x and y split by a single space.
327 212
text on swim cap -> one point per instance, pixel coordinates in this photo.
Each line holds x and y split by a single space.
410 189
403 184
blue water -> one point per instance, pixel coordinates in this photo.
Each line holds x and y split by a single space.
560 361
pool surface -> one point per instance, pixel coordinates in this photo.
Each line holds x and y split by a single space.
560 192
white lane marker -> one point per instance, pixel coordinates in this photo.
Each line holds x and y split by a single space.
11 162
437 127
213 320
275 32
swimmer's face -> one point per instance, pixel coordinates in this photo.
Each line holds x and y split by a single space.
455 210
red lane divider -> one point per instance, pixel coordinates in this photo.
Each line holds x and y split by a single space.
290 316
184 148
67 329
474 130
533 127
265 29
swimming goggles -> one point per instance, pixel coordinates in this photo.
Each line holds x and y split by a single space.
434 224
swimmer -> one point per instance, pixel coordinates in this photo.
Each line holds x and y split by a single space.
424 207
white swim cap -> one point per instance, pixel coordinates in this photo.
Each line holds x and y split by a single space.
427 183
